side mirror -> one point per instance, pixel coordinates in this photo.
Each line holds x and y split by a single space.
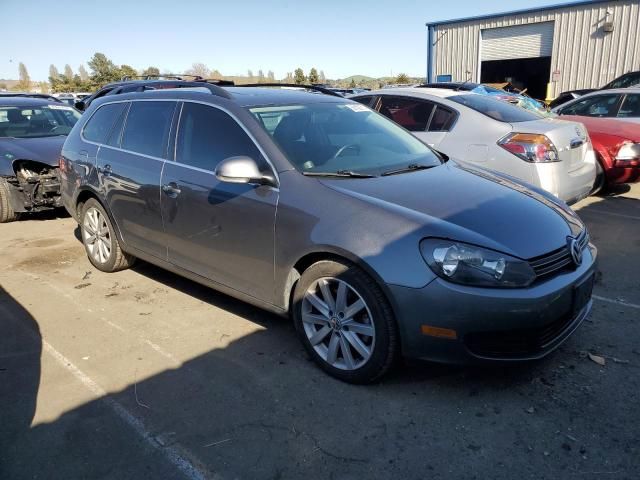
242 170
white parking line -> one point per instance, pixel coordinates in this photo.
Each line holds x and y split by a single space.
171 452
617 302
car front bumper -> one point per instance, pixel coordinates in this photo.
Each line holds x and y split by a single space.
493 325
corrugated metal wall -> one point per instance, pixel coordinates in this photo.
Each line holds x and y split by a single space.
586 56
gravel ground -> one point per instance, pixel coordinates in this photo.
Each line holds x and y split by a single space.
142 374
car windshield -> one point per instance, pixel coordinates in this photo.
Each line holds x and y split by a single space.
493 108
37 121
346 138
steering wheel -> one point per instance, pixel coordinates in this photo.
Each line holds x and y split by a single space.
342 149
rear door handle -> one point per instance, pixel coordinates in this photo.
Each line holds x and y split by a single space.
171 189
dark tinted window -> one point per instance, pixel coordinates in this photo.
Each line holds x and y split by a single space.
442 120
595 106
207 135
628 80
116 132
630 107
412 113
147 128
496 109
364 100
99 125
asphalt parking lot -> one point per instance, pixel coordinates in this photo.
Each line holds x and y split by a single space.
142 374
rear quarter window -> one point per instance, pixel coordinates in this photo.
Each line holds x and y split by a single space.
495 109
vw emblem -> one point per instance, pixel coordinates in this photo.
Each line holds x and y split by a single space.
576 252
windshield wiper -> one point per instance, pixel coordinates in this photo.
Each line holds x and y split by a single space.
339 173
409 168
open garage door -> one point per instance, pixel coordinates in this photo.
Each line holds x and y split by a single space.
520 54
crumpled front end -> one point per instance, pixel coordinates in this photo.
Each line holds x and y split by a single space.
34 186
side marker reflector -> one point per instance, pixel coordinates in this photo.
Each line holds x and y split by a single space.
439 332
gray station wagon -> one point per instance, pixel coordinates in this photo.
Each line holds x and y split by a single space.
317 207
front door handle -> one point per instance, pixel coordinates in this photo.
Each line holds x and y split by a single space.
106 170
171 189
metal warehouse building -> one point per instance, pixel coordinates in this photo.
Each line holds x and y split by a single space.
563 47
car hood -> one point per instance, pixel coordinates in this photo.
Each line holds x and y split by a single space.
471 205
43 149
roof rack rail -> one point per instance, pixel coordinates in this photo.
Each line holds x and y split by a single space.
217 81
213 88
293 85
43 96
162 76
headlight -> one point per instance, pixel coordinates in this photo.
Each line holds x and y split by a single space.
470 265
629 152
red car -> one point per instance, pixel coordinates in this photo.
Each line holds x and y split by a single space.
617 146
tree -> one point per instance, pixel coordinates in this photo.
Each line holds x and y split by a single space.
82 72
151 72
250 74
298 76
353 83
271 76
127 71
260 76
323 79
288 78
313 76
103 70
24 82
53 73
68 73
216 74
200 70
402 78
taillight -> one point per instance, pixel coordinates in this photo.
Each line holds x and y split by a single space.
628 155
531 147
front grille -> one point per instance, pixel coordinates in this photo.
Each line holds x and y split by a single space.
559 260
516 343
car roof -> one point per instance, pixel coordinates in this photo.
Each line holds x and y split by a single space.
26 101
242 96
609 91
451 85
416 92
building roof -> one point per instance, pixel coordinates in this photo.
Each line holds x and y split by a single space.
554 6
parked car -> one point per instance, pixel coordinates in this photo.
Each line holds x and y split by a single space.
629 79
32 131
617 146
128 85
623 103
318 207
486 132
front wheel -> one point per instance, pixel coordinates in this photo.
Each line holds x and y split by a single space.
6 209
345 322
99 239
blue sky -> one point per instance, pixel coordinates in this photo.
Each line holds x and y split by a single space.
367 37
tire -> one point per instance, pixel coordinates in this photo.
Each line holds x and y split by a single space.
105 253
362 322
601 180
6 209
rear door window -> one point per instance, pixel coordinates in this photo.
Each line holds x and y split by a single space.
116 132
101 122
630 106
147 128
595 106
412 113
496 109
207 135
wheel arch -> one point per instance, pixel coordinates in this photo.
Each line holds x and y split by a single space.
83 196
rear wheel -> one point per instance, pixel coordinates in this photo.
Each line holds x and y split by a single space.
6 209
99 239
345 322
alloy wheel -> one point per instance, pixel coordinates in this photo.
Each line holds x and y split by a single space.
96 235
338 323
